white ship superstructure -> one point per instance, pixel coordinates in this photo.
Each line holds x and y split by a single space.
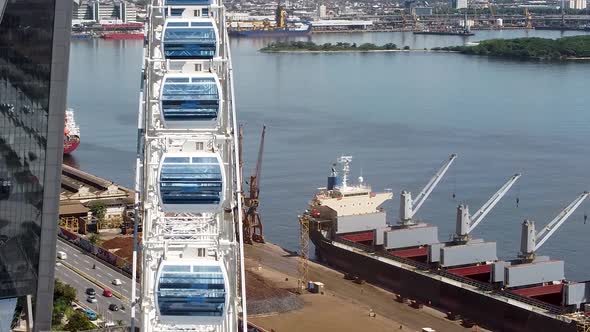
187 173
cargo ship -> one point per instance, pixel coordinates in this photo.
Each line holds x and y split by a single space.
445 32
122 35
462 278
282 27
71 133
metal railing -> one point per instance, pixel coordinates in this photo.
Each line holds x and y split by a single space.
480 286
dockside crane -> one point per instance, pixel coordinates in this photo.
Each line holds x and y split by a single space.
409 207
531 242
253 229
466 222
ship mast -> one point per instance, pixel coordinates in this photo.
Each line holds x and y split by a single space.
345 161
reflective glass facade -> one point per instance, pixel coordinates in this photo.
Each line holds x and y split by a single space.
185 290
34 51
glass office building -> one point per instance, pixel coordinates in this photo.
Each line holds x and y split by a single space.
34 55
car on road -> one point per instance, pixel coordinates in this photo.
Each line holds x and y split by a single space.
113 307
90 291
92 299
91 315
117 282
107 293
62 255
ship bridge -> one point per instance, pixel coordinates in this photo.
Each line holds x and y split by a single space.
187 179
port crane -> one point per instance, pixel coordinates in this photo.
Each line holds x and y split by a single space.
466 222
253 230
531 242
409 207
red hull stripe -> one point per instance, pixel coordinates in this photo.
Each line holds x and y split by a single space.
539 290
408 253
358 237
471 270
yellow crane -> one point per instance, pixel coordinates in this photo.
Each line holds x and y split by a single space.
303 262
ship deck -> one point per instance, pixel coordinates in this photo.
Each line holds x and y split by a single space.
469 284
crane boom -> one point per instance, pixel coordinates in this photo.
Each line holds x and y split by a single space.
467 223
408 207
489 205
255 180
423 195
551 227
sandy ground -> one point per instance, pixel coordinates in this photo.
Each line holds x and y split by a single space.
327 313
345 306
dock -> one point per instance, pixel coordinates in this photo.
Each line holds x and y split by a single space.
344 306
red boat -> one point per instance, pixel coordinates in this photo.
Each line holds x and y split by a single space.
123 35
71 133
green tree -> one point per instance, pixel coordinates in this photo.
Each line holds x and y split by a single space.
94 238
78 322
64 292
99 210
63 295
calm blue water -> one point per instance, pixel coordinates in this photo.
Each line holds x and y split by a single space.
399 115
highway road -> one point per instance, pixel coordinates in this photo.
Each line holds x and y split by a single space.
102 273
71 278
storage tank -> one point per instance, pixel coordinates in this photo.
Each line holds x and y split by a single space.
499 22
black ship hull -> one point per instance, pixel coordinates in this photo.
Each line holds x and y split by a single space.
492 312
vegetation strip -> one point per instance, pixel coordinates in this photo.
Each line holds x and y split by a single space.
300 46
566 48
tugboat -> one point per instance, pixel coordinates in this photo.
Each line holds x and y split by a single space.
71 132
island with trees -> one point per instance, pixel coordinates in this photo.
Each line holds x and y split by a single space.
301 46
566 48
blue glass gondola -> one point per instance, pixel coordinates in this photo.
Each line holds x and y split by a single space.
191 291
191 182
195 38
176 9
190 101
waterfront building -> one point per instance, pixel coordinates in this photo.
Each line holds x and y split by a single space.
458 4
113 11
322 11
423 11
80 191
576 4
33 84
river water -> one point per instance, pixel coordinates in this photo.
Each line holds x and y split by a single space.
399 115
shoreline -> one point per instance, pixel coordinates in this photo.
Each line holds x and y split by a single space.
576 59
356 51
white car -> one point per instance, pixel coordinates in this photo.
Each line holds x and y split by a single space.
117 282
91 299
